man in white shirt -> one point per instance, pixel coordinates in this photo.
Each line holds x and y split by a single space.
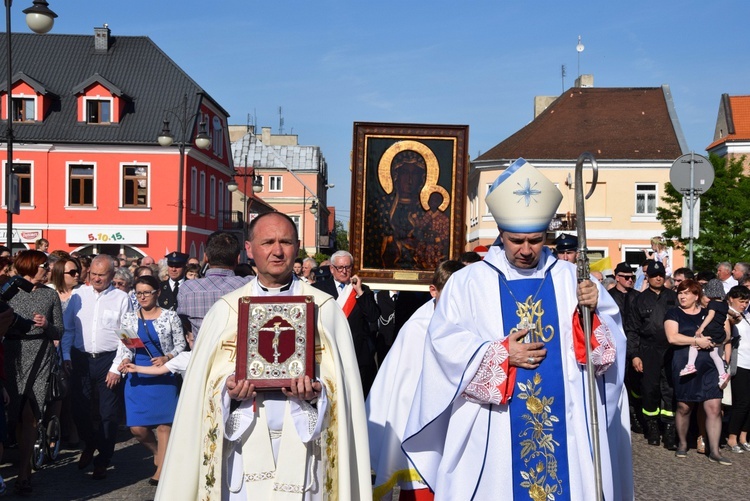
90 357
724 273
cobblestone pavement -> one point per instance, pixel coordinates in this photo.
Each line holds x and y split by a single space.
658 475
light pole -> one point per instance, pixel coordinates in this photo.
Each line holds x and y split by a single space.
202 141
257 188
314 212
40 19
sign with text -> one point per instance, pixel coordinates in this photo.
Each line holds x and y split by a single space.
103 235
26 236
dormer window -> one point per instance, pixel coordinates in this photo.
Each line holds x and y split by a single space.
98 111
24 109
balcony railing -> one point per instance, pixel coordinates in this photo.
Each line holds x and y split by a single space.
231 220
563 222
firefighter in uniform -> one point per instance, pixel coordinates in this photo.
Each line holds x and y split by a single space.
623 293
176 264
651 354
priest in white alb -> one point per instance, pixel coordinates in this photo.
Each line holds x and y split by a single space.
306 442
501 408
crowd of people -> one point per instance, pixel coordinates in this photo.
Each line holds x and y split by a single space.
452 394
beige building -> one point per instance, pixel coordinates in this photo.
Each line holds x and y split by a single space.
635 136
294 181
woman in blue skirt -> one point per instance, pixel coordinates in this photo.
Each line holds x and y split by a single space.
151 401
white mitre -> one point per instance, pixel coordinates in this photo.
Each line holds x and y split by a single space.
522 199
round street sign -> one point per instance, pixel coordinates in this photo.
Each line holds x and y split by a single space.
703 173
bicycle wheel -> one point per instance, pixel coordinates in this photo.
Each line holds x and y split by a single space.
39 453
53 438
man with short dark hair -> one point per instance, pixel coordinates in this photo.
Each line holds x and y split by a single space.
650 354
566 247
197 296
680 275
305 441
170 288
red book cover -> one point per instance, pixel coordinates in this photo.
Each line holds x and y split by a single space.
275 340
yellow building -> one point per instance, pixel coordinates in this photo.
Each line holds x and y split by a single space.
635 136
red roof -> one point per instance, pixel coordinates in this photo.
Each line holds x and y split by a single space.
739 115
611 123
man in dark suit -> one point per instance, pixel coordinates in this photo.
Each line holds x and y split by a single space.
360 308
176 264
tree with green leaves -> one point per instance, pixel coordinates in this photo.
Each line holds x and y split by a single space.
342 239
724 209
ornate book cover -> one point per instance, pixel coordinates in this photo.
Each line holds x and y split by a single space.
275 340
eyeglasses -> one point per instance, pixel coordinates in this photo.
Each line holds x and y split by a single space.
145 294
72 273
118 283
342 269
44 266
627 277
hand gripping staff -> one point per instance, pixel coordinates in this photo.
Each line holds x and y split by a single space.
583 273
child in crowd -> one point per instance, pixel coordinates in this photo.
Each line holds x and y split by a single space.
659 253
176 365
716 327
192 271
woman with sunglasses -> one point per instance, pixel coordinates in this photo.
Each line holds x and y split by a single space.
151 401
65 277
65 274
29 357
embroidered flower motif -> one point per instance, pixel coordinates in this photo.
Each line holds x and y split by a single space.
603 355
538 444
484 387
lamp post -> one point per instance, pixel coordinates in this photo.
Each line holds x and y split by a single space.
314 212
202 141
40 19
257 188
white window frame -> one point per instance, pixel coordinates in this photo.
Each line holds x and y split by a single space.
222 213
147 165
202 200
296 220
193 190
279 187
638 191
487 207
212 197
32 98
68 206
85 111
217 136
31 170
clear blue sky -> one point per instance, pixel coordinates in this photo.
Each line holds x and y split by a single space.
331 63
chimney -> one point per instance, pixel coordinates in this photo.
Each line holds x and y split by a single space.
585 81
101 38
265 135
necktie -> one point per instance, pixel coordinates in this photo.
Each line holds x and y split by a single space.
176 289
341 286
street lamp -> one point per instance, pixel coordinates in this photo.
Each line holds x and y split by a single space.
257 188
202 141
40 19
314 212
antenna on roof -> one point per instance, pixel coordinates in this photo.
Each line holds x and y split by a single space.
562 72
281 122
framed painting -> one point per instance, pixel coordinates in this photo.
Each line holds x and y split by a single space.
408 200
